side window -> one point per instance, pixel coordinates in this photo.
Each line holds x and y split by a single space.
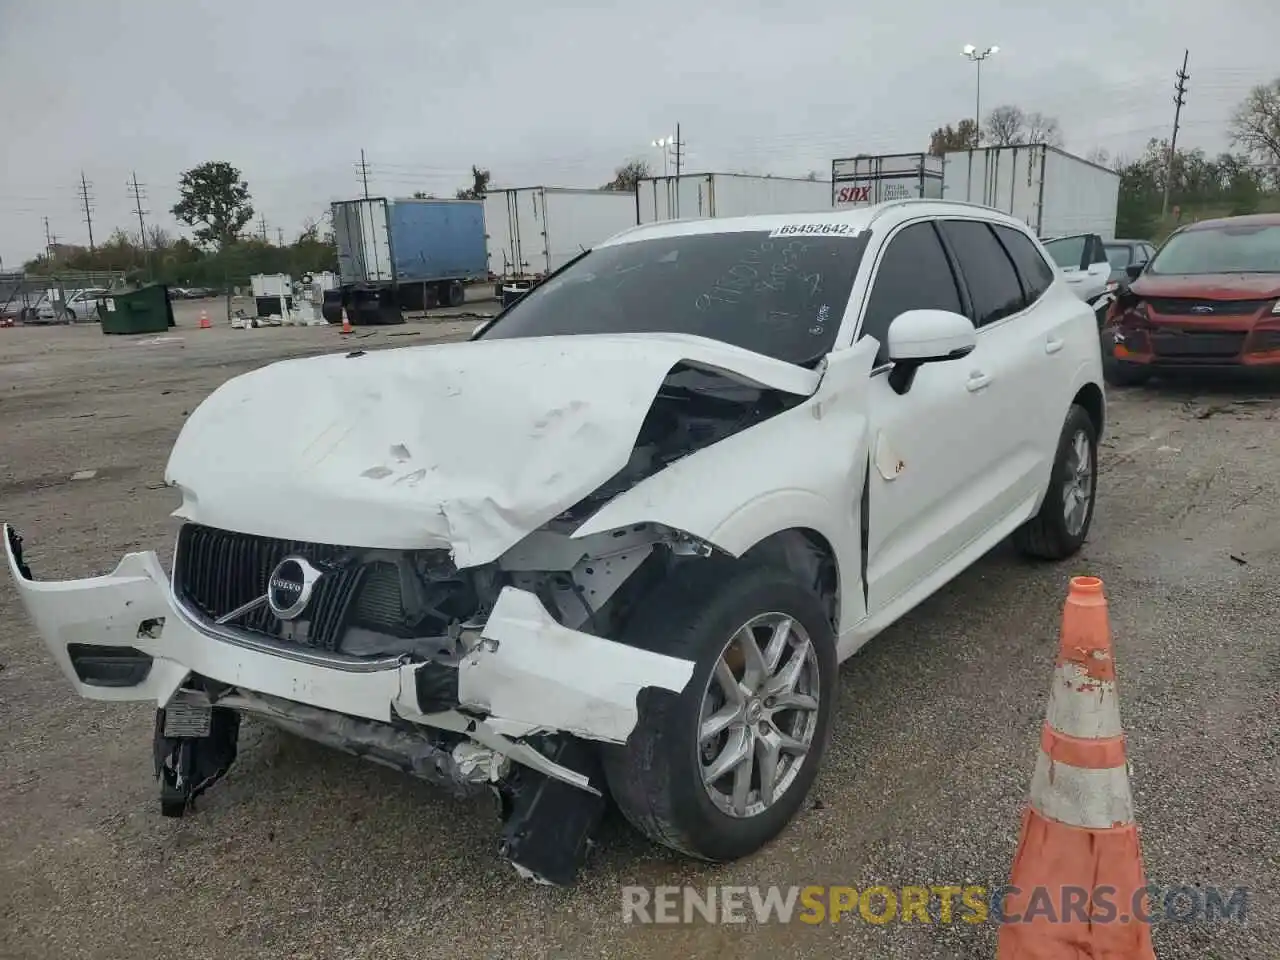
914 274
993 282
1036 275
1098 250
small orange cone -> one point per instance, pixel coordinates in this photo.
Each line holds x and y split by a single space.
205 323
1077 885
346 321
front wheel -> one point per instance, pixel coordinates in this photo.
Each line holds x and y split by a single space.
1059 530
720 769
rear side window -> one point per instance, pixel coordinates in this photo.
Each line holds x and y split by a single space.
1036 274
914 274
1068 252
1097 252
988 271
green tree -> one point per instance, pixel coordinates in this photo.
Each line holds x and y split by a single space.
479 185
215 202
628 175
963 136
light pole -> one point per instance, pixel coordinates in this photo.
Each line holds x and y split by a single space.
977 57
665 144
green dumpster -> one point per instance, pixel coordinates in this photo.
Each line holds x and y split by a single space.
145 310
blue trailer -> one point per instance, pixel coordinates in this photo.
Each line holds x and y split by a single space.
409 254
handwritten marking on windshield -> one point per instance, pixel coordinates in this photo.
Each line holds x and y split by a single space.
751 274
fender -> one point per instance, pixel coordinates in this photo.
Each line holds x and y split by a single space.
802 468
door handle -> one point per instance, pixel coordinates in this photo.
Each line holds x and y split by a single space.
977 381
1053 345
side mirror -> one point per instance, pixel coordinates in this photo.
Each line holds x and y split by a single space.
1133 270
918 337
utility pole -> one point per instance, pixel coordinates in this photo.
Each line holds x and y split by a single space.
679 152
363 170
280 236
262 225
135 190
48 241
1179 99
88 209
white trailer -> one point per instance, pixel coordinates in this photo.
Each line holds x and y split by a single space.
864 180
1053 192
702 195
532 231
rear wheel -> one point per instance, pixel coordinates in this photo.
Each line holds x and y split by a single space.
1059 530
720 769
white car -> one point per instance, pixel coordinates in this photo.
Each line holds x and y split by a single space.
81 306
620 540
1084 262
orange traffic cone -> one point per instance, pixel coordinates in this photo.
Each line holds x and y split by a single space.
346 321
1077 885
205 323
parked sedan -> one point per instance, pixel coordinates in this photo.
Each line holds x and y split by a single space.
78 307
1209 298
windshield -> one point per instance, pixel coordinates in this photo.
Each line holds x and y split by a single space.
780 296
1067 253
1225 249
1119 256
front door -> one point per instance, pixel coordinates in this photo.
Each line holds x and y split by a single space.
930 447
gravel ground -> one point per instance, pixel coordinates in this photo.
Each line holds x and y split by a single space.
302 852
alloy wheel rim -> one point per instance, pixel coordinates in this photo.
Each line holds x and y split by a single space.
1077 488
759 715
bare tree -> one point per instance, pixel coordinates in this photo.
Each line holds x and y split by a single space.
1099 156
1255 125
1006 126
1042 129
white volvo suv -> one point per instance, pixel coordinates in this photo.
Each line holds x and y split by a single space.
616 544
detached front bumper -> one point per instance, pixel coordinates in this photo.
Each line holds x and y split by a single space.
122 637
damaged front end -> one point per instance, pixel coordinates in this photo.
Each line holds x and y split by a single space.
460 678
462 634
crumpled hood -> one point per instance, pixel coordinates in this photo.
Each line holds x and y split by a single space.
469 445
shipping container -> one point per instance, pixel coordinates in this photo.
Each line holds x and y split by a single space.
1055 193
864 180
700 195
405 254
532 231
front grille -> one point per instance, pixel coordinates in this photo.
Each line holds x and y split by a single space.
1194 307
1196 343
217 571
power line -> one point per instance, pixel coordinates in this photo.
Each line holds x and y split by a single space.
1179 99
88 207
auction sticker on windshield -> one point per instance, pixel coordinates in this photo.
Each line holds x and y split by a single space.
816 230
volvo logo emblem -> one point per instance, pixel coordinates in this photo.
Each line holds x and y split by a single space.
1202 308
290 586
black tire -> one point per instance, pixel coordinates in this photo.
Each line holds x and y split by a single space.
1120 373
1046 535
656 777
457 294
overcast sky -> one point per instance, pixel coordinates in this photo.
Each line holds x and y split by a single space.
561 92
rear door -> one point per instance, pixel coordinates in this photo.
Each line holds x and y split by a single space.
1017 344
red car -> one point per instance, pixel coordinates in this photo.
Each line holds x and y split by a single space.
1210 298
